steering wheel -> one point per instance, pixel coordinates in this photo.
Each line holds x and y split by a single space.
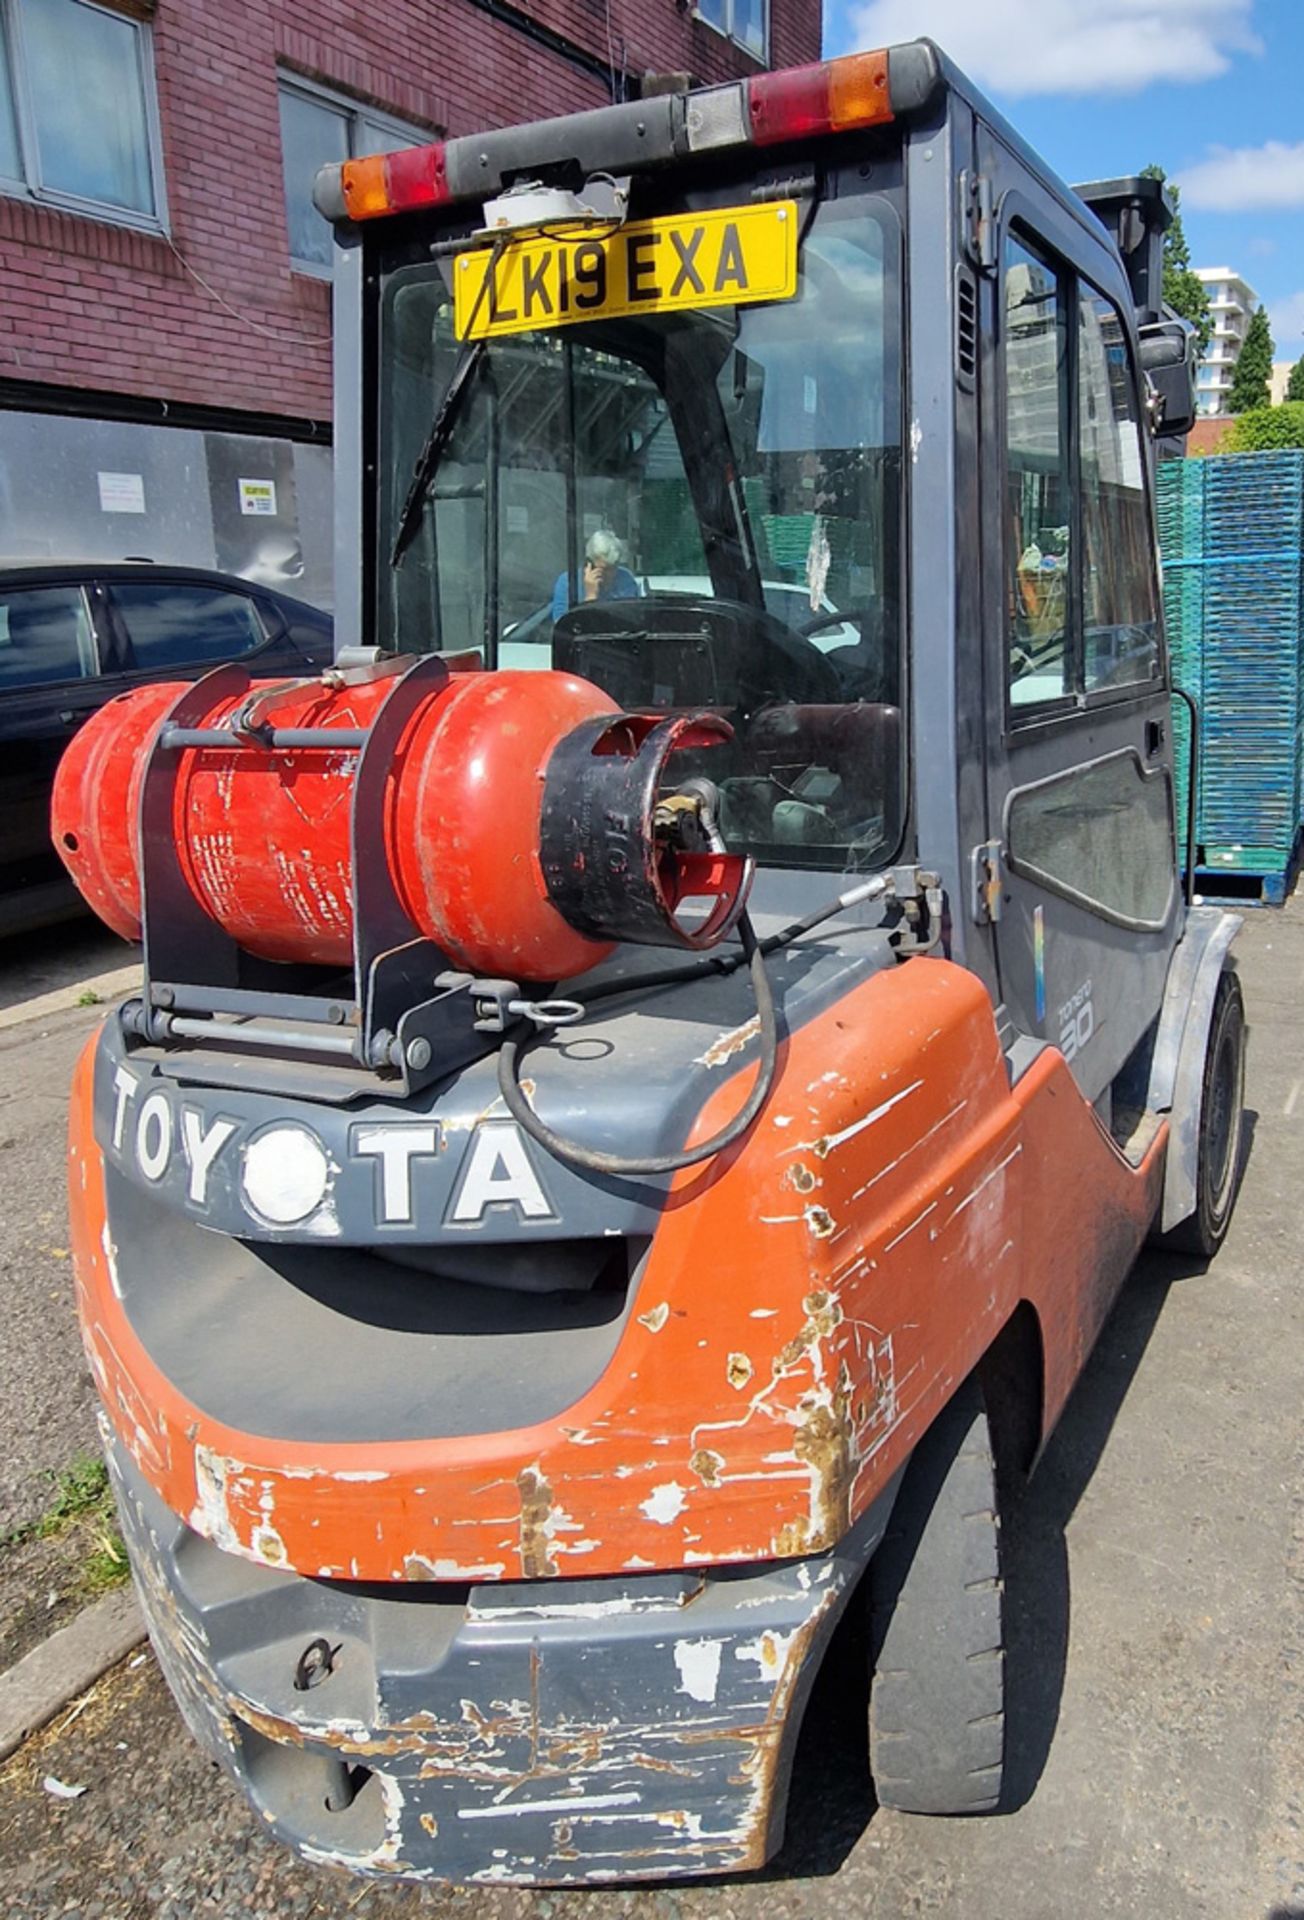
836 617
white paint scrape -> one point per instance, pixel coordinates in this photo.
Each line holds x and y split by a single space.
698 1662
664 1503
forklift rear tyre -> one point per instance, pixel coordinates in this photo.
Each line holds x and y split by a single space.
1222 1098
937 1692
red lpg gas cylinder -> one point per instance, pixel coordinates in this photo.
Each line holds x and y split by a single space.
263 836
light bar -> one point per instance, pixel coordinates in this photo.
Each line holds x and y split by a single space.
383 183
829 97
633 136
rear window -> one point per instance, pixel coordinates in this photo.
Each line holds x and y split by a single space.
180 626
45 637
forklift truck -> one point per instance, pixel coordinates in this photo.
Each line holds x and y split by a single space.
519 1350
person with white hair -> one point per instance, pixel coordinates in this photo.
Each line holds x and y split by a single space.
605 575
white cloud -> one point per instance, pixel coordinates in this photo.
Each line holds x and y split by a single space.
1286 318
1236 179
1068 46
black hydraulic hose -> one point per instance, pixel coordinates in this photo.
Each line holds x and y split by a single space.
730 962
752 956
594 1161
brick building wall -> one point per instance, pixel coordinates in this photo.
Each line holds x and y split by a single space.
212 312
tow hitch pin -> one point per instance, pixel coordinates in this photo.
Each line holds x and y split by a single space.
548 1013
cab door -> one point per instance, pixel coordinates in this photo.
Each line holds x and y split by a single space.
1080 792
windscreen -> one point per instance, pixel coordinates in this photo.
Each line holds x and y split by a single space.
692 505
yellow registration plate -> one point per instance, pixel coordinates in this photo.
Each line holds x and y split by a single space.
728 257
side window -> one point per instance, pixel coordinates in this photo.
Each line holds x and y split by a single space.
1119 613
173 625
78 108
45 637
1038 499
1100 835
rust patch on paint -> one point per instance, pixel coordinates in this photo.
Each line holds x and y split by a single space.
790 1541
730 1043
823 1314
537 1562
801 1178
821 1222
707 1465
739 1371
823 1442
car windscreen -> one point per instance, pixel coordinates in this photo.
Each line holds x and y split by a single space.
694 507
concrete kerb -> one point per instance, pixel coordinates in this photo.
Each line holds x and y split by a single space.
52 1675
107 987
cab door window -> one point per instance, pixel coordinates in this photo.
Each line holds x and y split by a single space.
1082 594
1120 625
1038 489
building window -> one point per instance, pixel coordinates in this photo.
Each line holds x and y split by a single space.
78 112
319 127
746 21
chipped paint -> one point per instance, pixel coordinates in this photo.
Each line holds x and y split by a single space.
707 1465
576 1804
210 1515
664 1503
831 1142
656 1318
110 1250
738 1371
537 1559
417 1567
722 1050
269 1546
698 1662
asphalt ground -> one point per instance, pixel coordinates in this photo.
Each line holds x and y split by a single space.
1155 1578
47 1401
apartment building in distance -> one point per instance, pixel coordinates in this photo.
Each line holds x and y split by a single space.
1279 380
165 320
1232 300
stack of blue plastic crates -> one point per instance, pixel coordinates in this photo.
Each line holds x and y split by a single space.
1231 530
1181 541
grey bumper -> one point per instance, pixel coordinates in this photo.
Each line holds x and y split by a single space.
551 1732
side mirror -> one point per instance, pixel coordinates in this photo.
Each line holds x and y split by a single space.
1168 360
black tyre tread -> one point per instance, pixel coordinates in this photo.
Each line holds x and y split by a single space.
1203 1231
936 1710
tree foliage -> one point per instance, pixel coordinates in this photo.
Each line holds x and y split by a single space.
1253 370
1295 385
1265 430
1182 291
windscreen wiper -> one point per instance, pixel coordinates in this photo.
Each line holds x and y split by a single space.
423 473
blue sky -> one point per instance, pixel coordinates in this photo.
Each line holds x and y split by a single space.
1212 90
